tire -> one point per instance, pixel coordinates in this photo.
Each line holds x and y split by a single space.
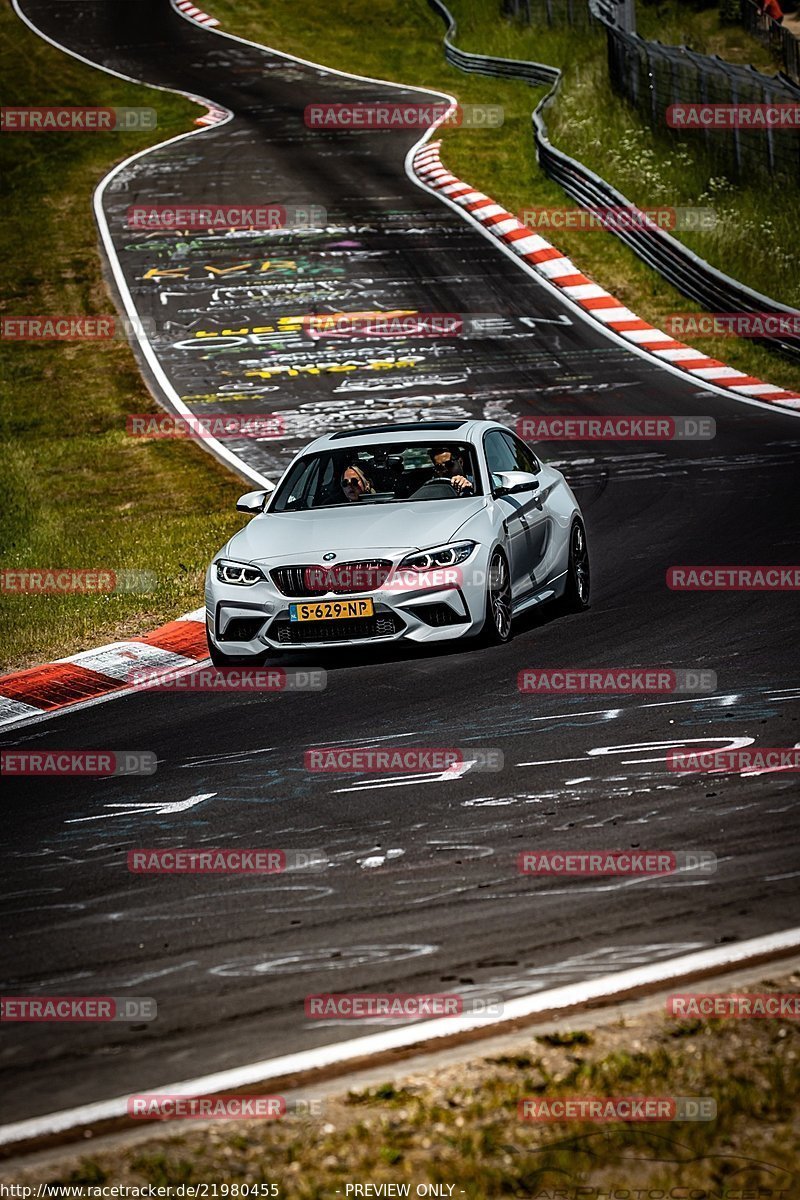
220 659
497 625
578 588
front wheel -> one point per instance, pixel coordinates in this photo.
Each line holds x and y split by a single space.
497 622
576 593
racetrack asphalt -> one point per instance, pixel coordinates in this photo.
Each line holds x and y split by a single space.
229 959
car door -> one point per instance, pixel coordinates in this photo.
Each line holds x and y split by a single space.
534 510
501 455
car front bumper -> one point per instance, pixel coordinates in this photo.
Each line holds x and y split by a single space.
244 621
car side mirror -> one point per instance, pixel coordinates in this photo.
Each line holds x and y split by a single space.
509 483
252 502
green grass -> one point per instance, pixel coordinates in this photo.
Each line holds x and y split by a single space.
78 492
676 23
588 121
755 239
458 1125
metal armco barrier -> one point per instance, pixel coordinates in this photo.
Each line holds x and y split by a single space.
675 262
536 74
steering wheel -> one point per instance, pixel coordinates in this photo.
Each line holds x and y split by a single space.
434 489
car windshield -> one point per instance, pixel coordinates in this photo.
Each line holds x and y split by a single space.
379 474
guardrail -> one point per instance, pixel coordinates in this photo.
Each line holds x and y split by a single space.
674 261
536 74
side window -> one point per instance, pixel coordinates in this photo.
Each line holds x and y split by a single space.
500 454
327 482
525 459
297 491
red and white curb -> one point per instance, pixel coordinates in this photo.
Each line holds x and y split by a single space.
594 300
98 674
197 14
214 116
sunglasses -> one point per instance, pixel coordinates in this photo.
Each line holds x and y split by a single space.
352 483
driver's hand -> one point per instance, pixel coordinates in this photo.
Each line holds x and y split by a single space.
461 484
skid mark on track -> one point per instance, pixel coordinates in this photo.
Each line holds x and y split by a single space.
328 959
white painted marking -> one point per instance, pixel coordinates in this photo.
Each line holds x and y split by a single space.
614 314
452 772
768 770
15 710
148 975
761 389
529 245
220 450
729 743
198 614
489 210
585 291
646 335
605 987
718 373
678 355
123 660
159 809
657 356
554 268
424 141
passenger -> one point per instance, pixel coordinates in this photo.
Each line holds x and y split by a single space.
447 466
355 484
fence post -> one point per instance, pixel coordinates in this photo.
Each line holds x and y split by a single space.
737 148
770 143
651 81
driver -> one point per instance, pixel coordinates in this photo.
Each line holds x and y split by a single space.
447 466
355 483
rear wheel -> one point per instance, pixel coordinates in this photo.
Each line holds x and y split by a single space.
497 622
576 593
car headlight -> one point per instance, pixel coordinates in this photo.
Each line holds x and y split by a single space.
244 574
439 556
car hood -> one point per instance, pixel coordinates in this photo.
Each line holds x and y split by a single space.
353 530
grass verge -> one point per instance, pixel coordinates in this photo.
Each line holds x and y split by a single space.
588 121
459 1127
79 493
82 494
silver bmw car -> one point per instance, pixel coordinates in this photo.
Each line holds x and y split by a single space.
426 532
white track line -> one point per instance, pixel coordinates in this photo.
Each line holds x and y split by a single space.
223 452
145 345
631 347
420 1035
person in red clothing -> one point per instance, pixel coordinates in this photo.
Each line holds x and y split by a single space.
772 9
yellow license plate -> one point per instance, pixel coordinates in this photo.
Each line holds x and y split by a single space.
331 610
